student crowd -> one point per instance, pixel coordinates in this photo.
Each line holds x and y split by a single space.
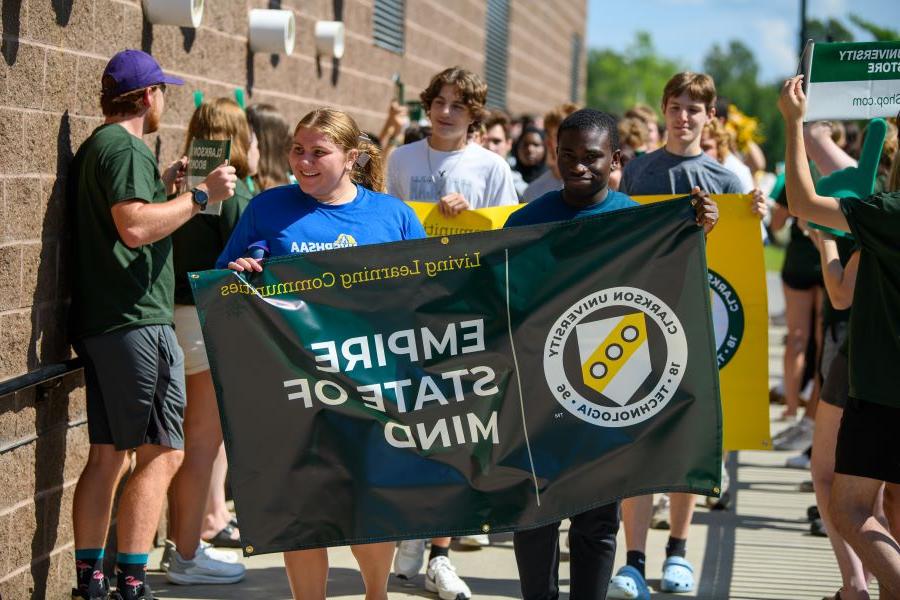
322 182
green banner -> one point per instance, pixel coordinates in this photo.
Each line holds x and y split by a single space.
858 80
855 61
482 382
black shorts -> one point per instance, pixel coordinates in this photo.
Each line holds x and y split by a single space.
801 280
836 388
135 387
867 443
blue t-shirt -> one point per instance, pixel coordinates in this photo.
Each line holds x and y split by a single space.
550 208
288 221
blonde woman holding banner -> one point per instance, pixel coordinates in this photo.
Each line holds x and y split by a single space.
339 202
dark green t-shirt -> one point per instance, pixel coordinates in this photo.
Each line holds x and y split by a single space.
115 286
875 318
200 241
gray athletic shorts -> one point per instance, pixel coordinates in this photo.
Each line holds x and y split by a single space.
135 387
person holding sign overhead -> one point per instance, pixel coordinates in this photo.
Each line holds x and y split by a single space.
339 203
867 453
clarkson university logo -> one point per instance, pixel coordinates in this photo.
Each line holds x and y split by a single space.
615 357
727 316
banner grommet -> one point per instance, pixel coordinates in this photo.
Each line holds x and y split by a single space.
485 528
249 549
445 240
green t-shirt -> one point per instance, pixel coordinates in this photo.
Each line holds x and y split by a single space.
115 286
875 318
200 241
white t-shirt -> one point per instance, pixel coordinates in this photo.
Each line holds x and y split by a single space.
734 164
417 172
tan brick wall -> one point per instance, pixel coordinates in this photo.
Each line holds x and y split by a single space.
53 54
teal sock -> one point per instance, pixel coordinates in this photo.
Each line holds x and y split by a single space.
131 570
89 571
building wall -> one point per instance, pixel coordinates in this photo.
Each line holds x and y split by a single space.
53 56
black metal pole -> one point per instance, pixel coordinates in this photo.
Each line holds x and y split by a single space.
802 26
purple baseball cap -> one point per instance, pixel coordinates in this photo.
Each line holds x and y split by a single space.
131 70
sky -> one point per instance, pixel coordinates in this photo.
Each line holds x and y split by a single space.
686 29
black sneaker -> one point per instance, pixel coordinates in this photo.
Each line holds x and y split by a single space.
817 528
142 593
812 513
82 595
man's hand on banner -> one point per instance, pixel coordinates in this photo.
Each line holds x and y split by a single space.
452 204
706 207
758 204
245 264
792 101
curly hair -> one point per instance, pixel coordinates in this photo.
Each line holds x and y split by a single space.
471 88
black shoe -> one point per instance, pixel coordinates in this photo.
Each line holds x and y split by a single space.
81 595
722 502
812 513
143 593
817 528
224 538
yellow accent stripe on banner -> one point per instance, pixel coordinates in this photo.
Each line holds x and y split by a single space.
615 351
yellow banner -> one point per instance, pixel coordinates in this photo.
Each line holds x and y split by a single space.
737 280
468 221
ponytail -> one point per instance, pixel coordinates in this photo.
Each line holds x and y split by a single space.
368 171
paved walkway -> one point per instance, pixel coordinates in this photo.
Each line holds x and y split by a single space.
759 549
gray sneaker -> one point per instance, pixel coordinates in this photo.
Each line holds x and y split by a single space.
203 568
798 437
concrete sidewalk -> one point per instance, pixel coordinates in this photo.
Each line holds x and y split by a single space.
758 549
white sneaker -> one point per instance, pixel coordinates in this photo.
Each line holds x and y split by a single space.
801 461
223 555
409 558
203 568
475 541
660 517
441 577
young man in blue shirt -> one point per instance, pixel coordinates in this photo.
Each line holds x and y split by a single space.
587 150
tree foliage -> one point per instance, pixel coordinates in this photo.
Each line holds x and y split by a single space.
736 73
616 81
831 30
881 34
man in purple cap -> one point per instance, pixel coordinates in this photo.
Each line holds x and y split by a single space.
121 321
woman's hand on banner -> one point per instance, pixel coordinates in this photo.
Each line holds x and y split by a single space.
245 264
792 101
706 207
452 204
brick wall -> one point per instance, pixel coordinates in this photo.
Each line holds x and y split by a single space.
53 54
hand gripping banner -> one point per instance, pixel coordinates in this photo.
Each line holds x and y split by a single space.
454 385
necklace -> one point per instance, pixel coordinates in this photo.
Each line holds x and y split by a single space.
444 175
